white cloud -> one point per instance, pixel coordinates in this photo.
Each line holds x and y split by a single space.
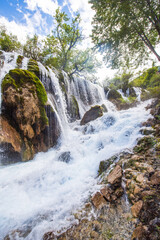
86 13
47 6
33 24
20 30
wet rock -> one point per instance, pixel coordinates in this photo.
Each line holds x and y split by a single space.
9 135
136 208
155 178
110 194
94 235
49 236
106 90
147 131
104 165
114 94
115 176
73 109
148 194
98 200
140 178
139 233
104 108
97 226
94 113
137 190
65 157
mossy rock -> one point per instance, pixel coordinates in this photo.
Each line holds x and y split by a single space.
104 165
18 78
104 108
62 83
145 144
33 67
113 94
19 61
94 113
74 108
106 90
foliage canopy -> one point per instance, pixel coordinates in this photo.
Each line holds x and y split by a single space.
8 42
126 29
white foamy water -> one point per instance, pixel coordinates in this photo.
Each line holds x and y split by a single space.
122 94
138 92
41 195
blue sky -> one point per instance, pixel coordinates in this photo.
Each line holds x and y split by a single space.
26 17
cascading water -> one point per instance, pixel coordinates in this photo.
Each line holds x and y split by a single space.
41 195
138 92
123 95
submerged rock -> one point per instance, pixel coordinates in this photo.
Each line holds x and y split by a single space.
65 157
94 113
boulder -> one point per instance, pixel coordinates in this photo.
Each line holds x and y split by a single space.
110 194
155 179
65 157
94 113
115 176
24 108
136 208
139 232
114 94
98 200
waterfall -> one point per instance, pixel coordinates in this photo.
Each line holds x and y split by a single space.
42 195
122 94
138 92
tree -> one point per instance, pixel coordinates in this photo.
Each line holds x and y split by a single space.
60 48
8 42
64 39
32 48
83 62
126 29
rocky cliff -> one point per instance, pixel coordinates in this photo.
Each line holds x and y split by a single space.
26 119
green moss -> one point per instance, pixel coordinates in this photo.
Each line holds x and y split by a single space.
44 117
113 94
62 83
132 99
75 105
19 60
107 234
144 144
19 78
104 165
33 67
